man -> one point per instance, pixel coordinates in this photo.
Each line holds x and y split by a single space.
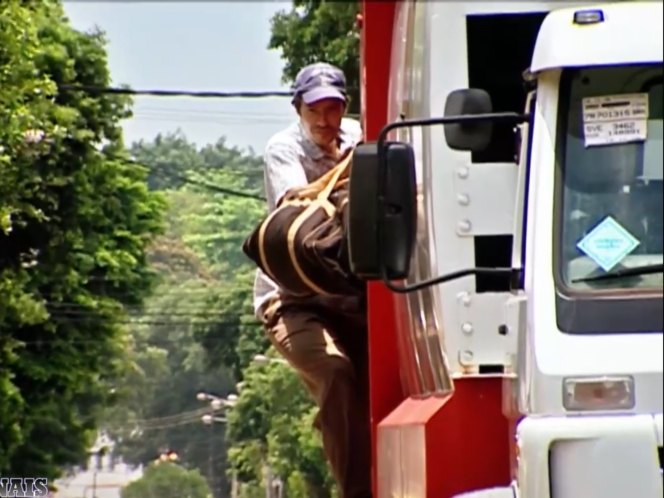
324 339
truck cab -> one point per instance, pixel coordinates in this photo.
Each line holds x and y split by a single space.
510 206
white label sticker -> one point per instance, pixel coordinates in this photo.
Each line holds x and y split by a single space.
615 119
608 243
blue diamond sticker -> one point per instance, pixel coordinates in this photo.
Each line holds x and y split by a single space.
608 243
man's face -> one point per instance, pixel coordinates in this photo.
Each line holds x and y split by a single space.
322 120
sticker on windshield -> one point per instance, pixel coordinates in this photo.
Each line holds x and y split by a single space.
608 243
615 119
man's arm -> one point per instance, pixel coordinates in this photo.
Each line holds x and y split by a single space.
283 171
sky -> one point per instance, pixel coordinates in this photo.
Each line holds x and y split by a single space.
183 45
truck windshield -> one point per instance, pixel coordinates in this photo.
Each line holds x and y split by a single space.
609 174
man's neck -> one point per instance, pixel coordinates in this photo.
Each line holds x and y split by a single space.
333 149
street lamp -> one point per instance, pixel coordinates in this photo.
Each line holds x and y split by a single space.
217 403
203 396
211 419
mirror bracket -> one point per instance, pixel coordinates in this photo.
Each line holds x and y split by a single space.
382 174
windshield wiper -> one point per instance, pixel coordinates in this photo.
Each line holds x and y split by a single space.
624 272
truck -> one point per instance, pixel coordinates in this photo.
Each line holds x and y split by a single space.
506 212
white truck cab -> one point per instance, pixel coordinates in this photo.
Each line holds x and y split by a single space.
589 316
577 332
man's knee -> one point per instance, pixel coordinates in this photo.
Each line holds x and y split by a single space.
339 369
334 381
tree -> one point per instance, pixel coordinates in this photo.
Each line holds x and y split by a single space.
16 305
272 425
316 31
159 409
167 480
197 329
211 223
75 227
172 158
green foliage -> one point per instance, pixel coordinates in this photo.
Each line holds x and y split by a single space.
207 227
75 227
89 338
197 330
167 480
158 394
235 339
316 31
272 424
172 159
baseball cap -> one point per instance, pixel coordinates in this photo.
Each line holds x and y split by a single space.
320 81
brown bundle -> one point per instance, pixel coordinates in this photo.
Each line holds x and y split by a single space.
302 244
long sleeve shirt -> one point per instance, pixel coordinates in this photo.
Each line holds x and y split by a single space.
292 160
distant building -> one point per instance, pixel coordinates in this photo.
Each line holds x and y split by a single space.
104 477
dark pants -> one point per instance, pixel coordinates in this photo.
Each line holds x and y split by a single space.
329 352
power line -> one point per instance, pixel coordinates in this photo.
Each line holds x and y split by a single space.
186 308
221 123
212 187
172 93
175 176
212 316
100 90
208 111
163 342
161 322
176 417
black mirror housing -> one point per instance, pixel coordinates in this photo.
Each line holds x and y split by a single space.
468 136
363 212
382 219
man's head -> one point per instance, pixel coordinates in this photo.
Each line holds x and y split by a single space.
320 99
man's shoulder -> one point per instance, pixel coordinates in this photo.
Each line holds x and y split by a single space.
287 138
352 129
291 139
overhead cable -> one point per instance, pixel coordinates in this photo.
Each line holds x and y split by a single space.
173 93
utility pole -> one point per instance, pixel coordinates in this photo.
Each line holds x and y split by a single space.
274 486
209 419
268 482
211 473
98 453
94 482
235 487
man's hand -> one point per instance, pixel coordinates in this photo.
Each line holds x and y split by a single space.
314 188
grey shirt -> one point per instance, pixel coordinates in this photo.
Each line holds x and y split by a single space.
292 159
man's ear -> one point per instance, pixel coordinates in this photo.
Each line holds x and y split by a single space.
297 103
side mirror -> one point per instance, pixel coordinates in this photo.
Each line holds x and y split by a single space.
468 136
382 231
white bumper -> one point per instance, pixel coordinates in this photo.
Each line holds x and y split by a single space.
602 456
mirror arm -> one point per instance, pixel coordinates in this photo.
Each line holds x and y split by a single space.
499 117
488 272
509 117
